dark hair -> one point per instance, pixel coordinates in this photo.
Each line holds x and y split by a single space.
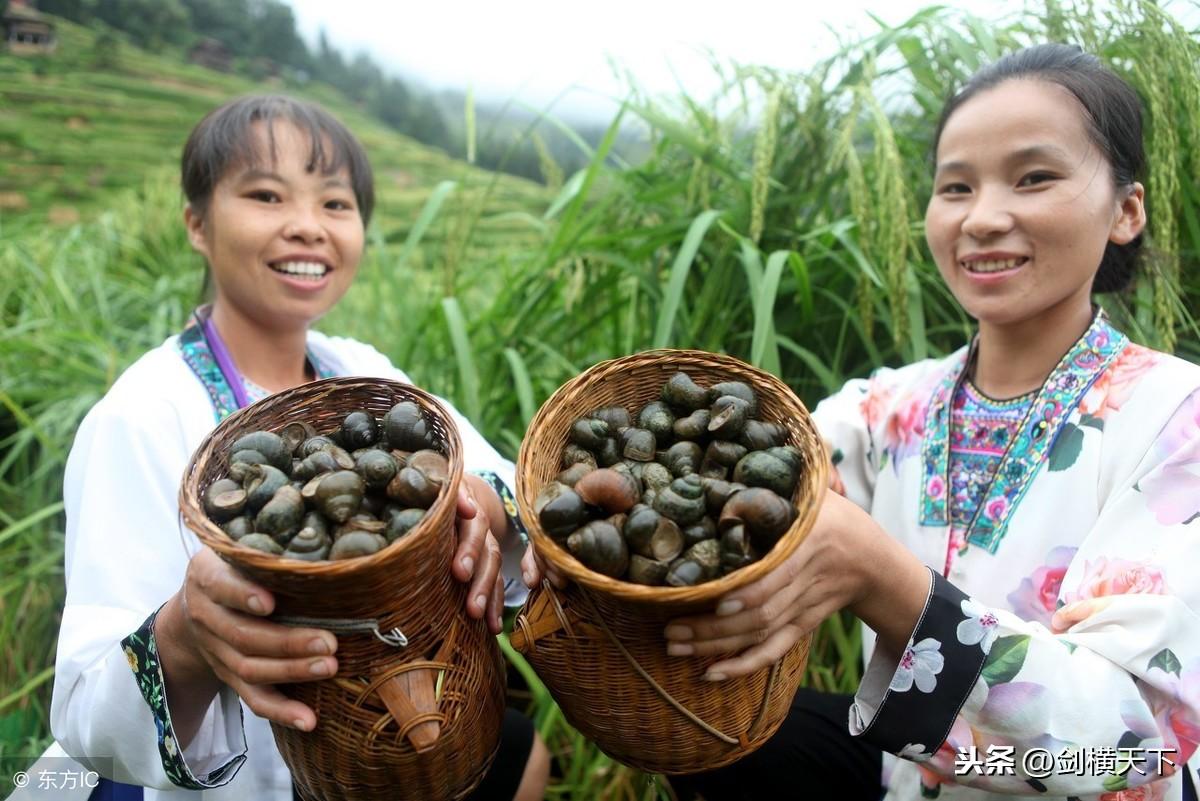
225 139
1113 115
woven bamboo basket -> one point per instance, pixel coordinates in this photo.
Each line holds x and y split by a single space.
420 720
598 644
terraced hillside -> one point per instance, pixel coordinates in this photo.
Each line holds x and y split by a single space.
99 116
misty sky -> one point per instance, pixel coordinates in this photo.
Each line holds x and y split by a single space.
534 50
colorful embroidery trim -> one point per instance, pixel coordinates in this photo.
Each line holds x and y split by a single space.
1055 402
199 356
141 651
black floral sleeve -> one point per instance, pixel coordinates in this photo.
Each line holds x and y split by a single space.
912 714
142 653
514 520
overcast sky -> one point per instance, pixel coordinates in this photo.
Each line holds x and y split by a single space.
535 49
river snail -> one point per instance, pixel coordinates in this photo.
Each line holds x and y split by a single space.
359 430
684 489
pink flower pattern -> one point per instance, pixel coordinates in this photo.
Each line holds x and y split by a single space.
1173 490
1116 384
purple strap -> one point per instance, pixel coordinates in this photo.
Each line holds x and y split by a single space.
228 369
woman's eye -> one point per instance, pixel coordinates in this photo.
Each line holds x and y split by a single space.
953 189
339 205
263 195
1036 178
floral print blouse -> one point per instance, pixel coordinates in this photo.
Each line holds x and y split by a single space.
1058 654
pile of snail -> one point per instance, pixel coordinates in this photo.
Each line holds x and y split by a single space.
691 488
348 493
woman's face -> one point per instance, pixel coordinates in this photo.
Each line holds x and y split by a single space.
283 242
1023 205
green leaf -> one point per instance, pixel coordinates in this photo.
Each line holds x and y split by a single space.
1005 659
764 352
679 273
464 357
1066 448
522 383
1166 661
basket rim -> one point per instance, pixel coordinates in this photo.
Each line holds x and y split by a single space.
816 476
211 535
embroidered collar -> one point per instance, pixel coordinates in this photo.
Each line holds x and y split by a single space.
199 356
1055 401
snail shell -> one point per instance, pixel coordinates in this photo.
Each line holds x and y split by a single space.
270 445
359 430
338 495
309 545
765 515
313 444
560 510
262 481
401 521
238 527
576 454
407 429
653 535
421 480
776 469
315 464
280 517
682 458
737 389
573 473
683 501
261 542
589 433
241 462
694 426
617 417
609 453
658 419
315 521
376 467
637 444
736 550
728 417
360 522
682 393
609 489
600 546
759 435
702 529
647 571
724 453
717 492
656 476
698 564
294 435
357 543
224 499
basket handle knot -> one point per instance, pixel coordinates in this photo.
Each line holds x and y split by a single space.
395 637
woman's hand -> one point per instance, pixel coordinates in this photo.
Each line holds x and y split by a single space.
477 558
213 630
533 568
846 560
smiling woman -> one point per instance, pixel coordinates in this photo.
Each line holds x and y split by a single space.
167 661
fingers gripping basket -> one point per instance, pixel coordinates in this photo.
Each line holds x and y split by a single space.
415 720
599 646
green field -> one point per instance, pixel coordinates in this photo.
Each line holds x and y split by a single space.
784 229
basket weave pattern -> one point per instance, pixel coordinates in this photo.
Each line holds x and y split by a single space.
359 750
599 646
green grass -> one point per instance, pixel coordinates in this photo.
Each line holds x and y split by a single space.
793 242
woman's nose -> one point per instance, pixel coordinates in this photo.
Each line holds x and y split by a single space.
987 216
305 227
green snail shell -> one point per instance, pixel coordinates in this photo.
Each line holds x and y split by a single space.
357 543
420 482
589 433
376 467
658 419
338 494
316 463
646 571
280 517
682 458
702 529
773 469
656 476
224 499
560 510
765 515
407 429
269 444
309 545
682 393
262 481
653 535
683 501
698 564
617 417
759 435
401 521
727 417
261 542
576 454
693 426
737 389
238 527
609 452
717 492
736 550
295 434
359 430
316 443
637 444
573 473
